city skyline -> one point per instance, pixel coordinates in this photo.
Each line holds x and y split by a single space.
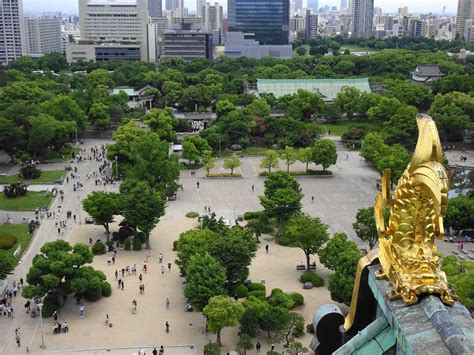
424 6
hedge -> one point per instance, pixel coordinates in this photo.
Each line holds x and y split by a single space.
7 241
258 294
106 289
252 215
297 298
256 287
241 291
137 244
277 290
316 280
192 214
98 248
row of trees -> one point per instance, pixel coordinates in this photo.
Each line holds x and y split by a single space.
323 152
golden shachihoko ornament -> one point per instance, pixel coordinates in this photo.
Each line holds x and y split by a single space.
407 250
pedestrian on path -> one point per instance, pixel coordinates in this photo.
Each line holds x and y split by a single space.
167 325
197 184
167 303
169 267
81 311
106 320
312 199
253 187
266 248
122 285
258 346
162 270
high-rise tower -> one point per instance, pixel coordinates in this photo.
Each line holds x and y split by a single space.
362 17
12 31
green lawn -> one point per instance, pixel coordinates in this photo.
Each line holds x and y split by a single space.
341 127
20 231
46 177
29 202
354 48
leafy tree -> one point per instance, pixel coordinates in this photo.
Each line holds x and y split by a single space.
223 107
395 158
307 233
162 122
280 180
460 83
342 256
234 249
347 101
231 163
295 348
195 147
255 309
289 156
125 137
59 270
324 153
402 127
47 132
282 204
11 137
373 146
205 278
102 207
258 108
99 114
453 113
274 319
385 108
294 320
302 105
270 160
152 163
460 213
141 206
100 77
190 243
301 51
209 162
222 312
409 93
460 276
7 264
305 155
64 108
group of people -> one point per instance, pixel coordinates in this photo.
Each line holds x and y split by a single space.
6 307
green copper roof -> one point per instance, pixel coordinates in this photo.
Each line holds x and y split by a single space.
328 88
128 91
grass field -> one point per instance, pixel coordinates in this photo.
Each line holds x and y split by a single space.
339 128
29 202
20 231
46 177
358 49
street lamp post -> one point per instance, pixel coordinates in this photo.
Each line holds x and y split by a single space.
116 167
43 345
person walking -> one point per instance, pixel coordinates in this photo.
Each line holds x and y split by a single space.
167 325
197 184
169 267
122 285
162 270
81 311
167 303
154 352
258 347
266 248
253 187
107 320
312 199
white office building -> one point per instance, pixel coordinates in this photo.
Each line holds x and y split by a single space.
12 31
43 35
113 30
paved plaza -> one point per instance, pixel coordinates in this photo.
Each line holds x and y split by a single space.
336 200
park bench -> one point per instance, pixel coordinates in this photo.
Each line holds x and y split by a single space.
302 267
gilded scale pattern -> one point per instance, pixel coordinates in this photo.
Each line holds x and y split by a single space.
407 250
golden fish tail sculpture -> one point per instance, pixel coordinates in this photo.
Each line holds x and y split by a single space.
407 250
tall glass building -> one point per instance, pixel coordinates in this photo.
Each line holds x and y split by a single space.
269 20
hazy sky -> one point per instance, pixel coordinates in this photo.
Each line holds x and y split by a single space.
434 6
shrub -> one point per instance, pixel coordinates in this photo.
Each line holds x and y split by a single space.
316 280
50 304
241 291
127 243
93 293
252 215
192 214
30 172
298 328
212 349
283 240
7 241
106 289
137 244
141 236
98 248
15 190
258 294
175 245
297 298
276 290
256 287
272 353
281 300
